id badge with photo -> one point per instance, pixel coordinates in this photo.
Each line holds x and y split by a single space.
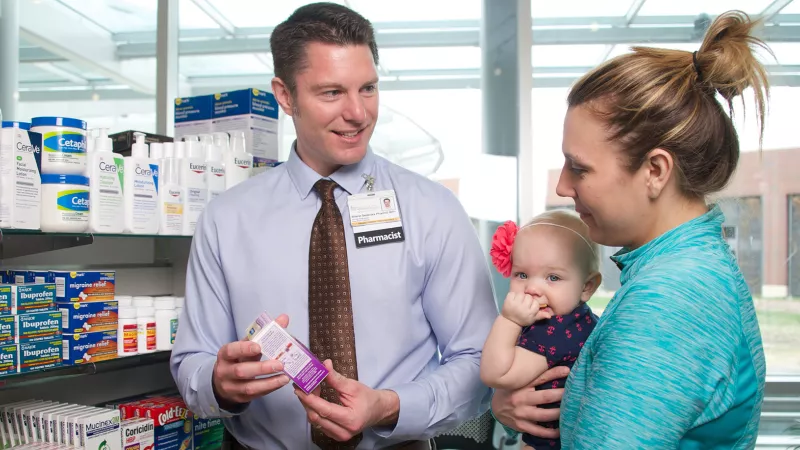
375 218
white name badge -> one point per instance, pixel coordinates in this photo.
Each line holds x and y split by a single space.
375 218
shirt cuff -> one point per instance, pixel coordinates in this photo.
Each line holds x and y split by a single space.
414 416
203 385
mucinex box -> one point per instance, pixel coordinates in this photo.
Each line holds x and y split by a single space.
35 327
253 111
100 430
8 359
31 298
83 348
39 355
20 178
82 317
84 286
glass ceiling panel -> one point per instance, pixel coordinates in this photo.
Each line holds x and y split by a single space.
566 55
694 7
242 64
580 8
430 58
792 8
258 13
417 10
30 73
119 16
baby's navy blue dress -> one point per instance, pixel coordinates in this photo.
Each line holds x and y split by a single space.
560 340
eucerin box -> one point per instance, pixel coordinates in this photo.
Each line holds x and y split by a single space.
84 286
253 111
35 327
83 348
39 355
138 434
31 298
20 178
193 116
305 370
81 317
8 359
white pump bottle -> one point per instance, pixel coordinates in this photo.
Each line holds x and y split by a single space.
215 170
141 190
193 179
106 172
238 163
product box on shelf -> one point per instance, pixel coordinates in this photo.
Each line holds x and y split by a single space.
82 317
253 111
20 179
122 142
172 422
84 348
6 304
36 327
39 355
8 330
138 434
84 286
193 115
100 430
29 276
8 359
208 434
30 298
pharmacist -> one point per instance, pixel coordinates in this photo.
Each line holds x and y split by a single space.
378 292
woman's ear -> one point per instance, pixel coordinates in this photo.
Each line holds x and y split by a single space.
659 166
590 286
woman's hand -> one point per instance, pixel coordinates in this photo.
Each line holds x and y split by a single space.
520 409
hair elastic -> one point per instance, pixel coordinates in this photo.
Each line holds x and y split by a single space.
588 244
697 67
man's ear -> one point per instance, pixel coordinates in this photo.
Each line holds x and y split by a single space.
590 286
283 96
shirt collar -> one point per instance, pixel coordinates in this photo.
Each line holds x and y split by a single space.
350 177
709 225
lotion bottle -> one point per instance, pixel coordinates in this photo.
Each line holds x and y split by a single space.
237 162
141 190
106 187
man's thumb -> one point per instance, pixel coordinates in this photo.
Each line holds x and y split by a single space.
334 378
283 320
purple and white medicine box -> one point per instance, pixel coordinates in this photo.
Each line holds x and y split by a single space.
305 370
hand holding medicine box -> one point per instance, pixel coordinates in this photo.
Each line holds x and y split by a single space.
304 369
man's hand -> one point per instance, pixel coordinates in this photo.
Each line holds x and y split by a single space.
361 408
519 409
238 364
523 309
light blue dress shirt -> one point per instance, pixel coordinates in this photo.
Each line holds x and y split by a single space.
676 360
411 300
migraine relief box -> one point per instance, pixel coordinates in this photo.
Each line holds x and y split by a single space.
33 327
30 298
39 355
84 317
83 348
84 286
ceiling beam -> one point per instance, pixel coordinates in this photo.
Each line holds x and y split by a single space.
773 9
57 29
214 14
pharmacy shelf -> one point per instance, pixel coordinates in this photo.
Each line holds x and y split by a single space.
64 372
15 243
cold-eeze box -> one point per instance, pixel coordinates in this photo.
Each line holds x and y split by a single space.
39 355
86 286
84 317
83 348
30 298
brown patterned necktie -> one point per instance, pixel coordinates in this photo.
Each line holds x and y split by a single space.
329 306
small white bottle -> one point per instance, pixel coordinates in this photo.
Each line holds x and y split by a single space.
127 331
171 200
141 301
166 323
193 179
106 183
141 190
145 329
179 306
215 171
238 163
123 300
157 153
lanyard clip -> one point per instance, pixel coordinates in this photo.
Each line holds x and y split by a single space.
370 182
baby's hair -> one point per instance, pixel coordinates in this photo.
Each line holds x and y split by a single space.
572 221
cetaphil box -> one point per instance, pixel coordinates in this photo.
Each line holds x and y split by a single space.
193 115
253 111
20 178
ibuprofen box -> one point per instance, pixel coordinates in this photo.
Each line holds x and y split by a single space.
8 359
39 355
138 434
84 286
82 317
30 298
35 327
6 303
83 348
8 332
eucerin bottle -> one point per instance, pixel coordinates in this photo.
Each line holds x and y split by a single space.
238 163
193 179
215 170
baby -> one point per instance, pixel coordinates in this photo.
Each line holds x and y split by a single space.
545 320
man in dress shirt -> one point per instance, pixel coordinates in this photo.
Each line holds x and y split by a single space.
412 298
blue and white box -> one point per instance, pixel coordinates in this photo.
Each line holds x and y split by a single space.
31 298
39 355
254 112
35 327
8 359
6 303
30 276
193 115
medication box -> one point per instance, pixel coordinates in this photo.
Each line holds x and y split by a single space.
172 422
208 434
20 179
30 298
8 331
89 347
36 327
100 431
6 304
29 276
305 370
193 115
253 111
80 317
8 359
138 434
39 355
84 286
